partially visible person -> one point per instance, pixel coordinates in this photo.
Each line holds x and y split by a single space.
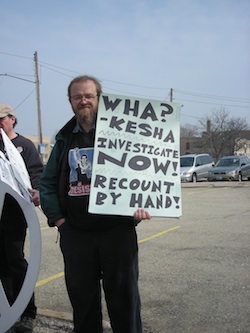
13 225
95 247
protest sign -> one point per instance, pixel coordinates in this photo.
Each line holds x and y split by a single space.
10 313
17 166
6 173
14 181
136 157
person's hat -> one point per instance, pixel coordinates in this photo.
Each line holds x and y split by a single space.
5 110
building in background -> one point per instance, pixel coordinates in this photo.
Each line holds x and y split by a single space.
45 149
216 147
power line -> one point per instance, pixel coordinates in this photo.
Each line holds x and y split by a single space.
190 116
128 93
18 74
203 102
238 99
56 71
117 82
178 91
232 99
16 77
25 99
15 55
244 100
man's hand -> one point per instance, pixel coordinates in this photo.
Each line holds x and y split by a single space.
34 196
141 214
58 223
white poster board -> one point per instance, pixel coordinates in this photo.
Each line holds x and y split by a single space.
14 181
136 157
18 167
10 314
6 173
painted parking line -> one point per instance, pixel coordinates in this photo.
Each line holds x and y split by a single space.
58 275
50 278
158 235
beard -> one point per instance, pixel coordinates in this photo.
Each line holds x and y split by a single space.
86 115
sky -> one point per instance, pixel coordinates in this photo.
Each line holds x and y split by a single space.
198 48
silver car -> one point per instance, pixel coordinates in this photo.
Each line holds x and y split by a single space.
245 172
228 168
195 166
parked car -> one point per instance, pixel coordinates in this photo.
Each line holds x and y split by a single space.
228 168
245 172
195 166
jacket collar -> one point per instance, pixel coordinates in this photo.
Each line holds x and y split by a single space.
67 128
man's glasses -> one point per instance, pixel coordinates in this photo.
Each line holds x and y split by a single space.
79 98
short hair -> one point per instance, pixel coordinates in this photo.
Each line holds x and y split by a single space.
15 122
83 78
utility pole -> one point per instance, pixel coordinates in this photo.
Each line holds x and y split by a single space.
210 136
41 147
38 102
171 95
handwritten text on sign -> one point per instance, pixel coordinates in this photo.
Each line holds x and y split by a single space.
136 159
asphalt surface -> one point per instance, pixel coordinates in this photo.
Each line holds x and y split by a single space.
194 271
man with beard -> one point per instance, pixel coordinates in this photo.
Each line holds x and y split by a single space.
94 247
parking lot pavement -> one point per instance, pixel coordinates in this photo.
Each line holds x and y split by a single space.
204 183
194 271
52 325
196 278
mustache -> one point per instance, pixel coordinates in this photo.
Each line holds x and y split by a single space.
82 107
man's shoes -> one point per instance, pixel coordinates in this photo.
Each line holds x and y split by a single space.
25 325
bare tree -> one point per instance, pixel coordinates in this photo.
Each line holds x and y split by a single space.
188 131
222 131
